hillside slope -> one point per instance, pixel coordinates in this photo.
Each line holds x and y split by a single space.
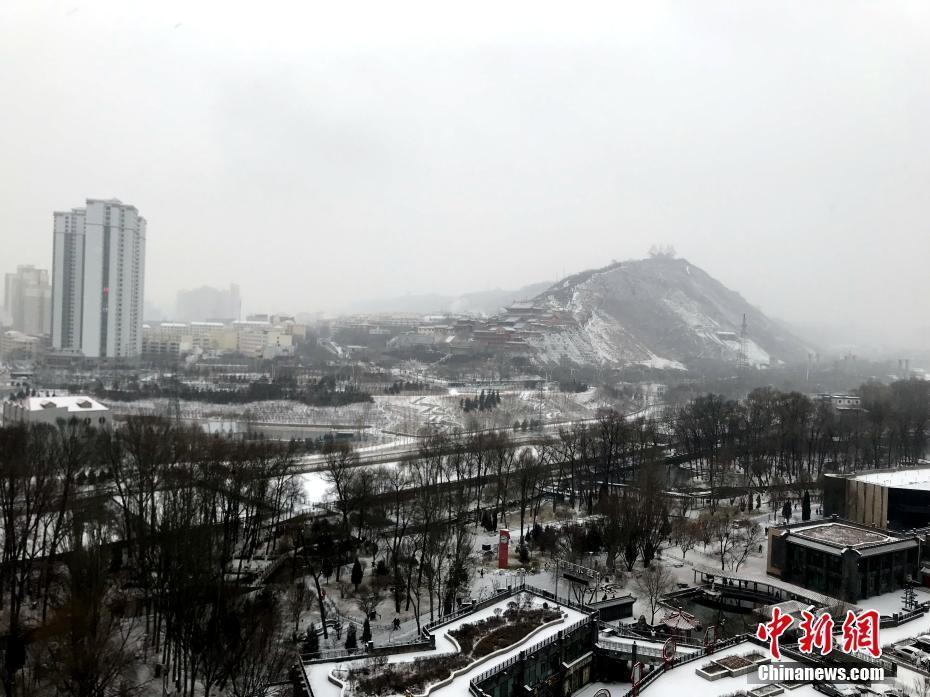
661 312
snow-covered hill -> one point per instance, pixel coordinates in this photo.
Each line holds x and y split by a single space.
660 312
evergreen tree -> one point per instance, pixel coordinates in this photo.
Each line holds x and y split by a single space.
312 644
806 506
356 573
486 521
351 640
366 631
786 511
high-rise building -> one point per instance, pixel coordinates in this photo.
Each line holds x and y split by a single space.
27 300
98 280
209 304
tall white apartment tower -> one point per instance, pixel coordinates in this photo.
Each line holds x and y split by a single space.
98 280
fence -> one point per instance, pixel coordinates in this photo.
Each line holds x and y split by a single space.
327 655
491 672
568 602
274 566
330 655
426 640
487 602
900 618
630 633
302 683
626 648
681 660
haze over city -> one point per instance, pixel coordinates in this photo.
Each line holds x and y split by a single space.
325 154
432 349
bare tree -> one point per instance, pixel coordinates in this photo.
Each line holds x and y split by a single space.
747 536
299 599
369 598
684 535
261 657
654 583
96 653
340 470
719 526
529 476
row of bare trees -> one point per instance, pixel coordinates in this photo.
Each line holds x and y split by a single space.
150 564
153 561
417 515
787 437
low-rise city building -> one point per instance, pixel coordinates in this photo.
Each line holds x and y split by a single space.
51 410
840 402
897 498
16 345
843 559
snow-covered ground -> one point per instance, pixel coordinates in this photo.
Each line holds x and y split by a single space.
322 687
892 602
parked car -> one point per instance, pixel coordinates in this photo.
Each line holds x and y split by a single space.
914 655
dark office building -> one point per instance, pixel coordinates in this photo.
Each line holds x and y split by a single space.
843 559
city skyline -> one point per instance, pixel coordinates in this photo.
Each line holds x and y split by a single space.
322 159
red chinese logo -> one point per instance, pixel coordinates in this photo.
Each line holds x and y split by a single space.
771 631
817 633
859 632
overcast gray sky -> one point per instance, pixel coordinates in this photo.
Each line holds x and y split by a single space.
321 152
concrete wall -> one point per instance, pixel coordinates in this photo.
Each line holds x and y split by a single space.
776 552
866 503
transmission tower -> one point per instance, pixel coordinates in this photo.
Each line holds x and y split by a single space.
174 405
742 358
909 599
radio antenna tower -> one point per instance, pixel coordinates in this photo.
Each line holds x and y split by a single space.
174 405
742 358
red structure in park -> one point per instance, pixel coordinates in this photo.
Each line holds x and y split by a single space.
503 549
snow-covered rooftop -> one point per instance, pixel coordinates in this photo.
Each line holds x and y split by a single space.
71 403
910 478
842 535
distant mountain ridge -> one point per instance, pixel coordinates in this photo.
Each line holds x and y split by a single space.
661 311
487 302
